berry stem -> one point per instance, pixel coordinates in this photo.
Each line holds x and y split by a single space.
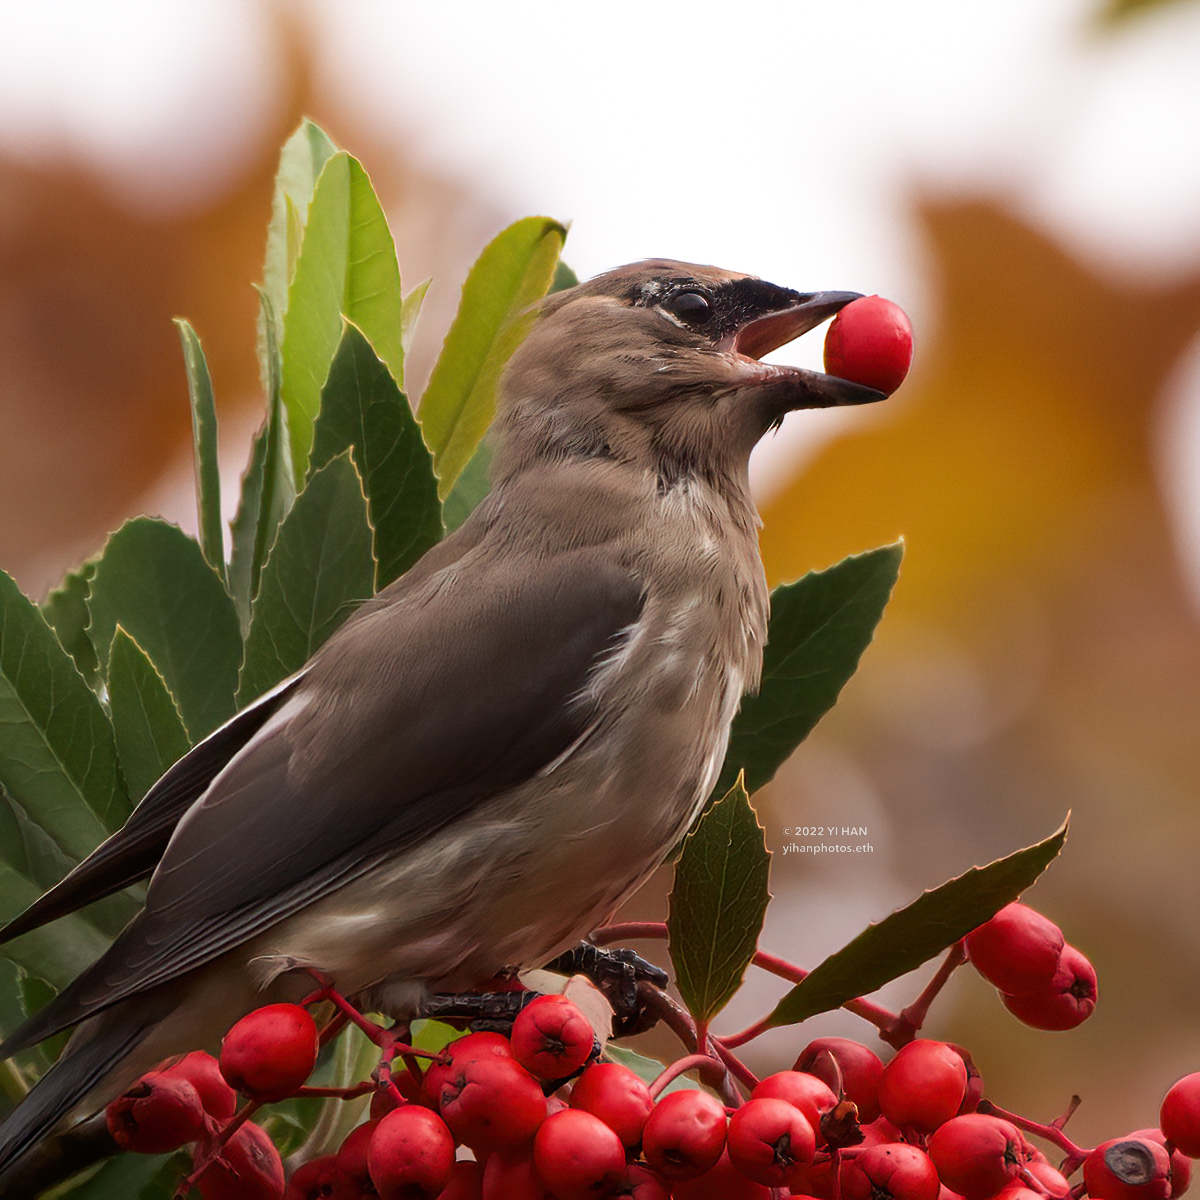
912 1017
706 1064
883 1019
1052 1133
629 929
746 1035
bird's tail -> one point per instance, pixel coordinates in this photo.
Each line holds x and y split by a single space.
82 1066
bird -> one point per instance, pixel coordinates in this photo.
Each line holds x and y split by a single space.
496 750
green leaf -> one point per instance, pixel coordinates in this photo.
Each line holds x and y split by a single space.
820 626
300 163
152 580
268 487
57 952
718 902
564 278
347 267
513 272
149 730
204 448
66 612
361 407
471 487
28 848
58 759
320 569
904 940
410 313
127 1177
243 567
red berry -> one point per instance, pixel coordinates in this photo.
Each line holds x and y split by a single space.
923 1086
1067 1001
352 1155
513 1177
410 1154
768 1139
615 1095
817 1180
639 1183
1179 1116
977 1155
576 1154
1128 1169
1011 1191
321 1179
466 1182
803 1091
249 1168
721 1182
551 1038
456 1055
870 342
1053 1182
684 1135
974 1092
891 1172
158 1114
203 1072
857 1068
1017 951
493 1104
270 1052
1181 1164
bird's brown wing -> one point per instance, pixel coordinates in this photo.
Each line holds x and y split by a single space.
412 715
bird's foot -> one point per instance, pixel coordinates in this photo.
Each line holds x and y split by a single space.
617 973
492 1012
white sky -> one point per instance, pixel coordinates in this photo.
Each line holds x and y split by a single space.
775 137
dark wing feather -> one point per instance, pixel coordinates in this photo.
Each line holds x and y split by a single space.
133 851
413 714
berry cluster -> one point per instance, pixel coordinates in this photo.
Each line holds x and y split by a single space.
1043 981
539 1114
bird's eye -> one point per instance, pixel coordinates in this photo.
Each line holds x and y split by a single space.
691 307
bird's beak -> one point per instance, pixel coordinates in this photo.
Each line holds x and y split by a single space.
769 330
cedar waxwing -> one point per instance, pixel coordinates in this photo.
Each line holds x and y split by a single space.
495 751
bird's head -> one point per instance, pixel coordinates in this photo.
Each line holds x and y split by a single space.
658 363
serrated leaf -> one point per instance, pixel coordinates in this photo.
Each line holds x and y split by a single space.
471 487
149 730
347 267
58 759
28 848
513 272
410 313
303 156
718 902
362 407
912 935
320 568
204 448
66 612
820 626
152 580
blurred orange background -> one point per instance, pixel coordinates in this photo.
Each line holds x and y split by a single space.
1042 651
